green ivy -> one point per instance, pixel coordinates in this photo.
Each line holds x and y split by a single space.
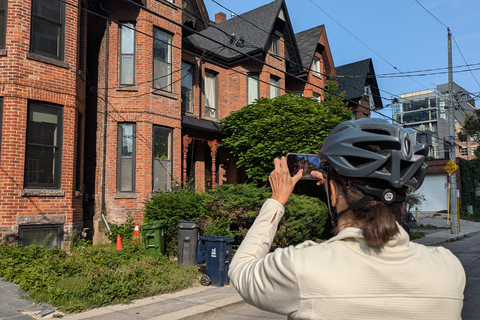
91 276
470 171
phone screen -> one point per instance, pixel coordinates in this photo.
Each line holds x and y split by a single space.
307 162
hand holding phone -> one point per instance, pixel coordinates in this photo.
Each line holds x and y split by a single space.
307 162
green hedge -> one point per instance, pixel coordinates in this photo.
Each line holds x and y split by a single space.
230 210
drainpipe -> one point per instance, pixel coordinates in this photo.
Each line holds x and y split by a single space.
105 114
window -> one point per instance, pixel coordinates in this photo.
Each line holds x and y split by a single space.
316 97
48 34
44 146
298 93
274 87
47 235
127 54
162 157
211 94
3 22
463 151
126 157
187 87
252 87
473 149
275 45
162 60
316 67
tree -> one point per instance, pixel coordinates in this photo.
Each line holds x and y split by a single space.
471 126
271 128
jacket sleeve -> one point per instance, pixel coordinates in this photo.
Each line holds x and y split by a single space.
264 280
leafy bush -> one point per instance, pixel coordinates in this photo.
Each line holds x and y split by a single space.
234 209
269 128
91 276
173 205
304 219
125 230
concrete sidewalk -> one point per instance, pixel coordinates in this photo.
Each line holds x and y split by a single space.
194 303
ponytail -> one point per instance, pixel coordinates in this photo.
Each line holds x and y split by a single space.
375 218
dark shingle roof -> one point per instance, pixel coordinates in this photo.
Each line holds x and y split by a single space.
307 43
353 77
254 26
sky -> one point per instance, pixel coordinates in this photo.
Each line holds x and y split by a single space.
400 36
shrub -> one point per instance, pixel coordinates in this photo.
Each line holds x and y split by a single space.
125 230
91 276
304 219
233 210
173 205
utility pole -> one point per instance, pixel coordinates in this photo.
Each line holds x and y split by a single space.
451 122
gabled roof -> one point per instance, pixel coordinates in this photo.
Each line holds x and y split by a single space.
307 43
195 14
254 27
353 77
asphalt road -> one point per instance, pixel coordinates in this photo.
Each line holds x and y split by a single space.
466 249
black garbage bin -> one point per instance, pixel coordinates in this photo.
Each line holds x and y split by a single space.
188 242
216 253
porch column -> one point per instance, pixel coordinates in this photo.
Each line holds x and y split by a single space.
213 152
186 141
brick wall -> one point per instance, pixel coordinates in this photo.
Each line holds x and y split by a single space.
140 104
26 77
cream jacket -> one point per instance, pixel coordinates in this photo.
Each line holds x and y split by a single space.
343 278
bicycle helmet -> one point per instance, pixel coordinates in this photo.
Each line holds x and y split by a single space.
386 156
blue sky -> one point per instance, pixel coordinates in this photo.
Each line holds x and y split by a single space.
398 34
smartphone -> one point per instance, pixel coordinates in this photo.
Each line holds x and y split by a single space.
307 162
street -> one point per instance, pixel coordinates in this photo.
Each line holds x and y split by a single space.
467 250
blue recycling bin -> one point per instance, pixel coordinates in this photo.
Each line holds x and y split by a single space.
216 253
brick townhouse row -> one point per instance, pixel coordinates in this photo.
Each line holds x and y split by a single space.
105 101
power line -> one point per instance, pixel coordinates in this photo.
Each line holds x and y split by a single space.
432 14
394 67
226 67
456 44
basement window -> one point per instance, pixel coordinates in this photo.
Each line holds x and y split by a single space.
50 235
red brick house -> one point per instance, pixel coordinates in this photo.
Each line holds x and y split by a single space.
42 104
358 81
97 118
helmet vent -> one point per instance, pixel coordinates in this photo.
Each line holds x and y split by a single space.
378 146
358 162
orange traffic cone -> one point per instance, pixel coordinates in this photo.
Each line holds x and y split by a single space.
119 242
136 234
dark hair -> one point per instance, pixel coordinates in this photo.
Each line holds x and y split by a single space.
375 218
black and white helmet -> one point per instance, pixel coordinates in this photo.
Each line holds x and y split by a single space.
378 150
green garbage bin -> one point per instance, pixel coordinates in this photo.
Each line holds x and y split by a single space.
154 238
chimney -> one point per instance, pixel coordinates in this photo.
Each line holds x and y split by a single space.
220 17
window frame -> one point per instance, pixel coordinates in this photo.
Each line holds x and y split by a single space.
208 107
61 35
120 157
253 78
275 87
169 64
316 67
168 161
58 227
274 45
58 147
122 55
187 104
3 19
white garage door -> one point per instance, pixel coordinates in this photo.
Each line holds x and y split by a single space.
435 192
